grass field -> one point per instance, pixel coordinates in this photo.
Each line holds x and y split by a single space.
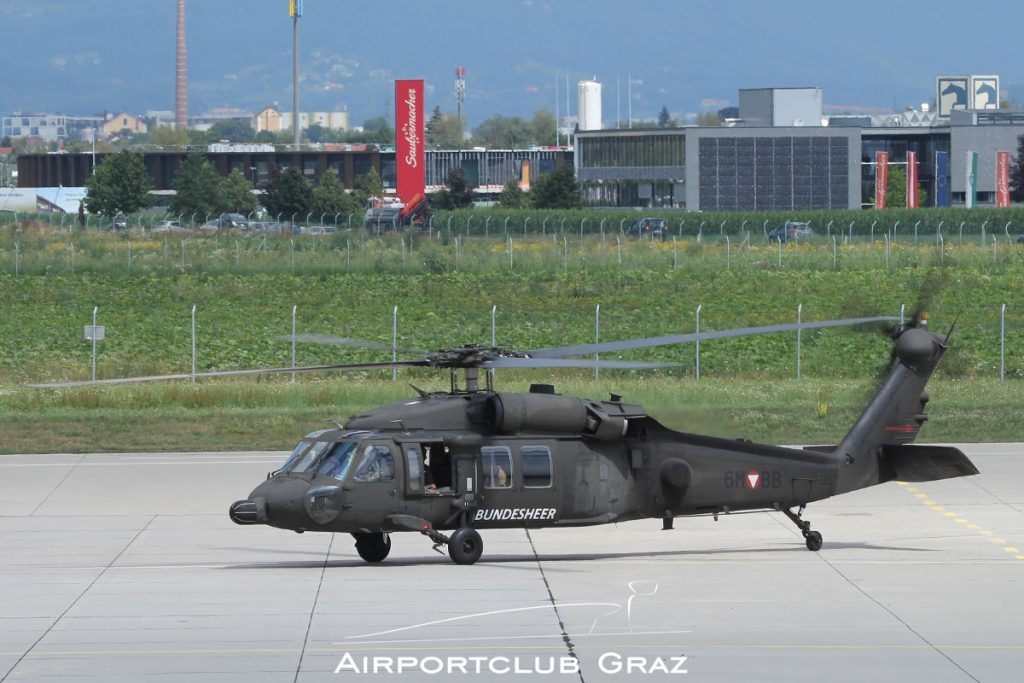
543 290
274 415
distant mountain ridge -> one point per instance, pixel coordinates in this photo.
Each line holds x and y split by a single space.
91 56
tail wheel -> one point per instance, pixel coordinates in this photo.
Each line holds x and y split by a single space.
373 547
465 546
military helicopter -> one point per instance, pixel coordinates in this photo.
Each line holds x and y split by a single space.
450 464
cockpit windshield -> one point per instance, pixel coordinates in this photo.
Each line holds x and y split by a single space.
305 461
295 455
336 462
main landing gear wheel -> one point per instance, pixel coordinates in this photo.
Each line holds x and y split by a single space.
372 547
811 538
465 546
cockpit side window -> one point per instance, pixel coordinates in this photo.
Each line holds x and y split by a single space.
414 469
377 465
497 467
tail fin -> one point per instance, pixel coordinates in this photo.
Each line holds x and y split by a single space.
875 449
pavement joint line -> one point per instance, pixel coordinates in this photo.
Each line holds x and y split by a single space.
312 610
60 483
935 648
568 642
1012 550
81 595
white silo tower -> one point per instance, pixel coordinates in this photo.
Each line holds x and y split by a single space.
590 105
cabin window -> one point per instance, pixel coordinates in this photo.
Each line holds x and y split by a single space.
377 465
497 467
437 468
536 467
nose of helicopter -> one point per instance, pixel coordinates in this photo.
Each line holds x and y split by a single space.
278 501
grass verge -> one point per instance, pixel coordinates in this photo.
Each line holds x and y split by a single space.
249 415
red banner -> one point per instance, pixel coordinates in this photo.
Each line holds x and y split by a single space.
409 141
881 178
911 180
1002 179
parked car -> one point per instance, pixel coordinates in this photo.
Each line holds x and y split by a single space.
319 230
792 230
120 223
167 226
232 220
651 228
1020 240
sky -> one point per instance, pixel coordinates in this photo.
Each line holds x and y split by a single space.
90 56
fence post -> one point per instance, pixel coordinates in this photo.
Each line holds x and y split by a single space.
903 307
834 253
799 330
597 340
94 310
394 343
728 253
675 255
17 258
295 310
193 343
1002 344
697 340
494 322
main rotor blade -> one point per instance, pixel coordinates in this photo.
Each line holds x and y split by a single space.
230 373
573 363
347 341
625 345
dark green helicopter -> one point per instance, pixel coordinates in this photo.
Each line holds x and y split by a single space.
450 464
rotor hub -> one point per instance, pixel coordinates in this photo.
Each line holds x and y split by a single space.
469 356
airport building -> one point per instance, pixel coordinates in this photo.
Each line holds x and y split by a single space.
782 154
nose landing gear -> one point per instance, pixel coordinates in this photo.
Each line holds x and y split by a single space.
812 538
372 547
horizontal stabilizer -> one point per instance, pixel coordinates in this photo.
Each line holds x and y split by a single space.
904 462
